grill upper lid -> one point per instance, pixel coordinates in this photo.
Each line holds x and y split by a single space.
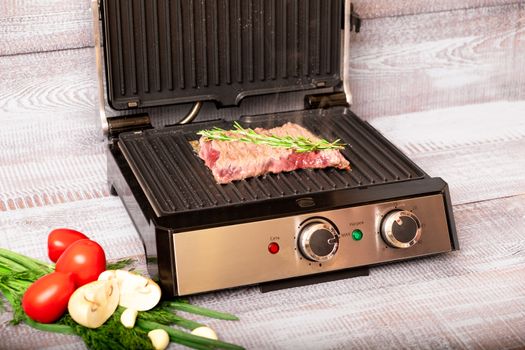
161 52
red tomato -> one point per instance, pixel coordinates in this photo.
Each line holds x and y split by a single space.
59 239
46 299
85 259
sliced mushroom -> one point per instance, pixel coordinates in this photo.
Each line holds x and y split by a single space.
107 275
136 291
93 304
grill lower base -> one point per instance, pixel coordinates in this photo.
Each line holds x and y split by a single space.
314 279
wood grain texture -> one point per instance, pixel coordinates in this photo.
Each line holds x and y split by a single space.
52 174
472 298
399 64
102 219
50 146
35 26
368 9
51 151
61 82
413 63
479 150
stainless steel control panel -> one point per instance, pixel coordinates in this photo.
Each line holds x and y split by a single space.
260 251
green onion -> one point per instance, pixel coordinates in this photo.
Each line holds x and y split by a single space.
18 272
176 335
202 311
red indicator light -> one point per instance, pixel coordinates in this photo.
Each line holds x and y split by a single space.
273 248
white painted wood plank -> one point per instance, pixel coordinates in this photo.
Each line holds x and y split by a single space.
22 337
479 150
479 173
35 26
102 219
21 8
399 65
51 149
368 9
52 181
455 127
53 153
423 62
52 82
468 299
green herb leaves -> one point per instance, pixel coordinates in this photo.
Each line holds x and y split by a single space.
298 144
18 272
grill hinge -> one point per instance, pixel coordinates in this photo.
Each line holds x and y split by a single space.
99 10
127 123
355 20
334 99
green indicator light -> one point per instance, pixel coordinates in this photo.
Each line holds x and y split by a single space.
357 235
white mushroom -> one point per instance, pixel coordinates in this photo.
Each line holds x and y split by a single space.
136 291
160 339
128 318
107 275
205 332
93 304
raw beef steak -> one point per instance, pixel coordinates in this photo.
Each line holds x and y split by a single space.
237 160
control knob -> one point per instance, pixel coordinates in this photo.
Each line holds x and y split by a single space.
318 240
401 228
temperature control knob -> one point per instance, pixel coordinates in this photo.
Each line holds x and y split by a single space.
318 240
401 229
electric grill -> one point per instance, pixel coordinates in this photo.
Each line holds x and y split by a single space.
263 63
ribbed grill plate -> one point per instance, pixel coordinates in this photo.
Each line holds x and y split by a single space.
175 179
162 52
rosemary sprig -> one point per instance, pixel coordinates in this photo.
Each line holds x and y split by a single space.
298 144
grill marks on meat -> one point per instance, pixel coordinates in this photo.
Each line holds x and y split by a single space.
237 160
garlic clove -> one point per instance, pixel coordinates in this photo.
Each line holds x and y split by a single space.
205 332
93 304
160 339
128 318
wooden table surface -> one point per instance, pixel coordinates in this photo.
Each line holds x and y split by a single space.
52 174
52 171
